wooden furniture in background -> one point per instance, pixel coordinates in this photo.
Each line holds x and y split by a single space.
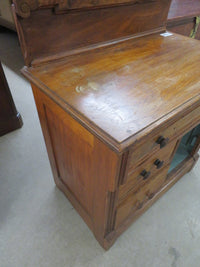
184 18
117 96
10 119
6 17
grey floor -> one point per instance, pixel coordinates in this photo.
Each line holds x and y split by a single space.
39 227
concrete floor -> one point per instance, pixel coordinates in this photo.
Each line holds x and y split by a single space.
39 227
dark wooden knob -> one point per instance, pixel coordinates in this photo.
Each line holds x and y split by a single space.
150 195
145 174
158 163
139 205
162 141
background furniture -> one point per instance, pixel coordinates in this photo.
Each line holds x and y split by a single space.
6 17
10 119
119 106
184 17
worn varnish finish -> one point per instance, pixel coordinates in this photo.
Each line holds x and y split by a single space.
10 119
105 98
182 17
148 69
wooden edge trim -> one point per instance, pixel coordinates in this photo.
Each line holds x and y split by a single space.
124 170
111 212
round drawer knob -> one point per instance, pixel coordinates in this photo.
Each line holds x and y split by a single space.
158 163
150 195
145 174
162 141
139 205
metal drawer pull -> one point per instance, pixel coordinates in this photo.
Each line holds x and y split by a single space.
162 141
145 174
158 163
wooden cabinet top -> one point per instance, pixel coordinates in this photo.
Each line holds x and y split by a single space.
125 89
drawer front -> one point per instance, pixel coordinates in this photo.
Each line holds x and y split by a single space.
147 169
178 128
135 201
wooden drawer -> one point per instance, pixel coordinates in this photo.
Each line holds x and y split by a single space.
179 128
135 201
136 180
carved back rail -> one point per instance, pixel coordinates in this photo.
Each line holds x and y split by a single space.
52 29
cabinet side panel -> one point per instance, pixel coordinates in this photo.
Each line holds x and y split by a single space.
84 168
73 149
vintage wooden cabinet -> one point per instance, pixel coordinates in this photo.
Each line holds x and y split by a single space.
184 18
119 103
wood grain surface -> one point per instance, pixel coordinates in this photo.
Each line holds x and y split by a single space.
134 83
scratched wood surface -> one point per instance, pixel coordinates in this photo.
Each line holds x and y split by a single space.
125 88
